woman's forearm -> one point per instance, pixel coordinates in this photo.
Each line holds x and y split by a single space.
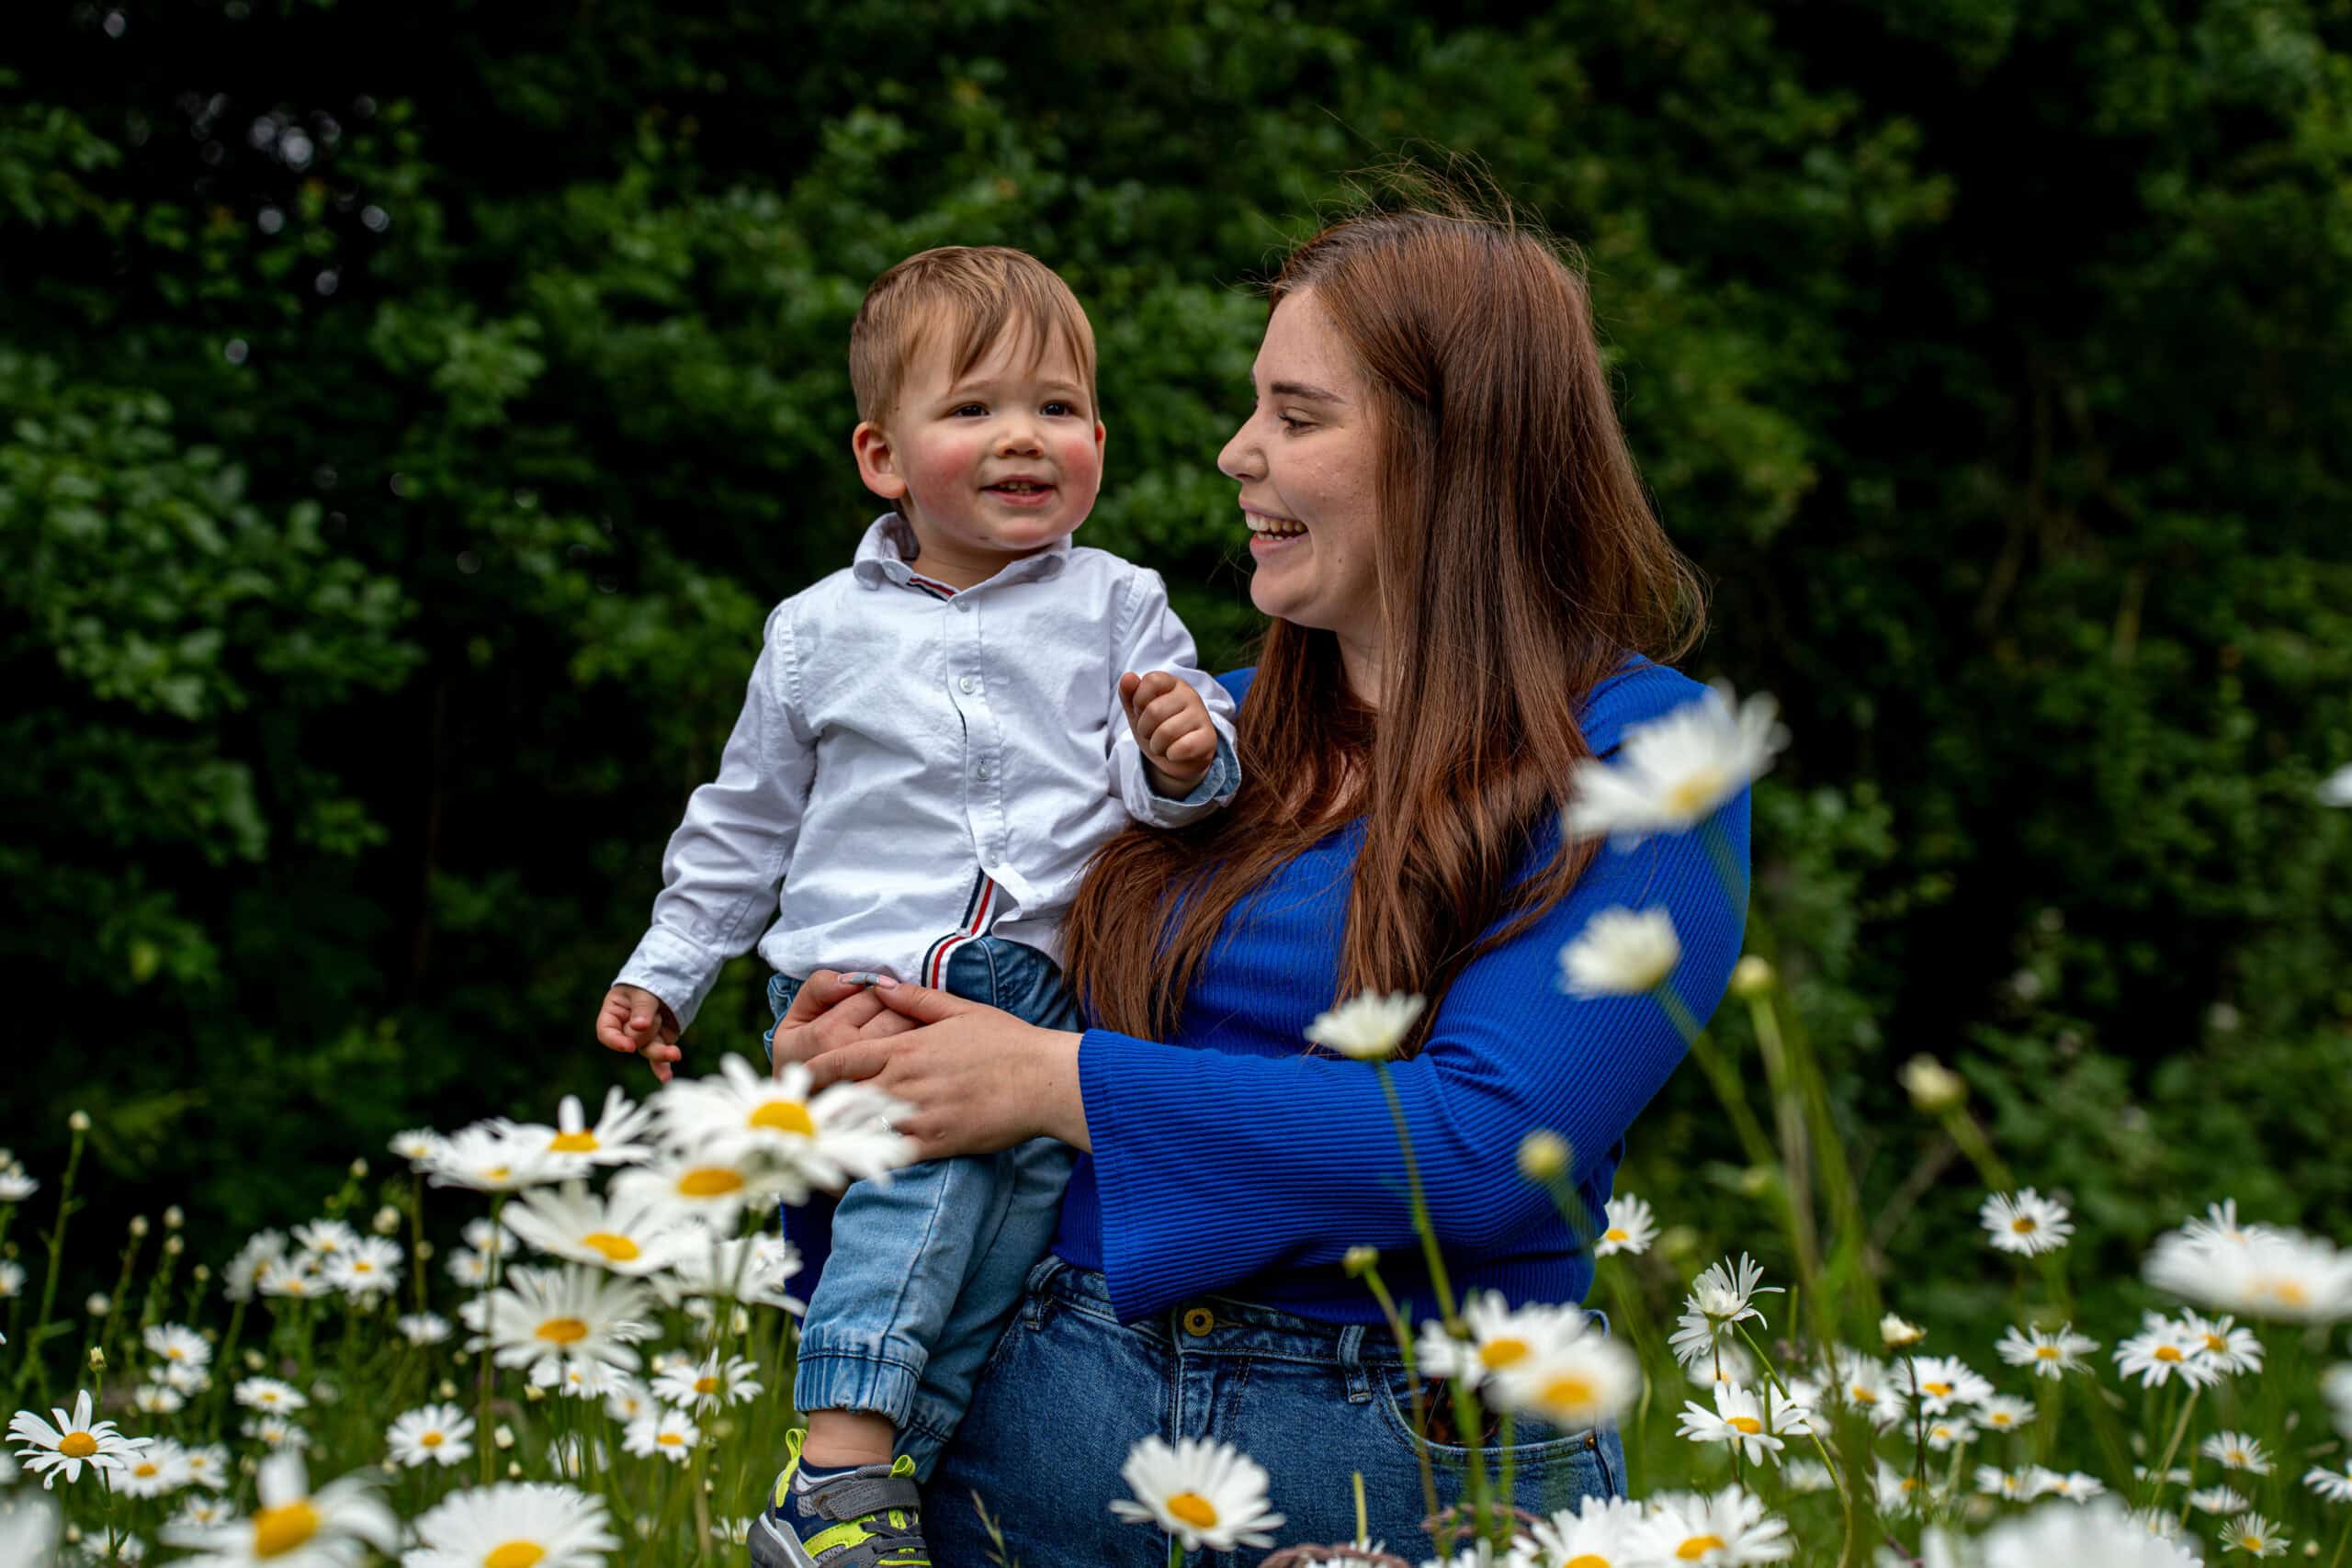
1061 1105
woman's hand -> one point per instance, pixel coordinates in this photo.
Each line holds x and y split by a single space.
831 1010
978 1077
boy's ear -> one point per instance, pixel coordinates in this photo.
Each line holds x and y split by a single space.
877 461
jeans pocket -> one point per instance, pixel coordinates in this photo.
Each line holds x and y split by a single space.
1535 1447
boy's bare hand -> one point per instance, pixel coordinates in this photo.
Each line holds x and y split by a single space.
1172 725
634 1020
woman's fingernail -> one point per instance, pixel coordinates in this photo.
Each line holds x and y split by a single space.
868 977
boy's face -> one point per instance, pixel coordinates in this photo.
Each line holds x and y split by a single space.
996 463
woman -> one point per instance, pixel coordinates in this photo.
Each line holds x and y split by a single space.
1469 596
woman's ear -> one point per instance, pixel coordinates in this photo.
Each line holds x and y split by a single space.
877 460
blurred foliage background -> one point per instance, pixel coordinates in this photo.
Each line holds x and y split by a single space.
410 410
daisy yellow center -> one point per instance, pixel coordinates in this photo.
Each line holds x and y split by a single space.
2047 1352
1747 1424
1697 1546
430 1440
516 1554
785 1116
175 1354
2216 1344
77 1445
278 1531
618 1248
2023 1223
1587 1560
1570 1392
562 1330
1497 1353
1999 1419
1614 1232
671 1439
1193 1510
1865 1396
1688 794
706 1385
497 1172
710 1181
571 1143
146 1467
2288 1293
2166 1353
1939 1389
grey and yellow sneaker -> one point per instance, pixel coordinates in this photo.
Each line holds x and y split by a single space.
867 1517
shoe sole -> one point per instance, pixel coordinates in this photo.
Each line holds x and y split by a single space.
771 1548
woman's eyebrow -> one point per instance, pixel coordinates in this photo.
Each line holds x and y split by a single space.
1305 391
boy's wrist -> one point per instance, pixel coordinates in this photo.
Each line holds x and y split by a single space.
1175 787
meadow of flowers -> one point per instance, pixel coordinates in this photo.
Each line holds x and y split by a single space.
602 1372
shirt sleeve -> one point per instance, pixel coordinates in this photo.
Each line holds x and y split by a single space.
1150 637
1216 1166
721 873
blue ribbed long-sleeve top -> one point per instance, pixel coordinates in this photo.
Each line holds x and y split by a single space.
1229 1162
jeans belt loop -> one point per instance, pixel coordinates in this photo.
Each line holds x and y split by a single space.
1352 1363
1033 1295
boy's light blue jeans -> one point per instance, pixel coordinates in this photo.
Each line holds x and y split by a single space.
921 1274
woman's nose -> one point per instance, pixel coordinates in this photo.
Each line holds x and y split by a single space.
1241 458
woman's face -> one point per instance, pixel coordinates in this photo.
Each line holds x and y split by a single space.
1305 460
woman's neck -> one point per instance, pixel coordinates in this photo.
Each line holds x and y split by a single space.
1359 666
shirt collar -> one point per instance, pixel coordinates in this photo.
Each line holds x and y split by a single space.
883 556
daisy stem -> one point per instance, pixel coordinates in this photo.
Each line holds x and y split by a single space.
1363 1528
121 1291
1621 1294
1413 1384
1503 1523
1725 1079
2337 1560
497 1250
36 1366
417 1234
2179 1429
1811 1430
1919 1434
227 1363
114 1544
1175 1554
1465 1415
1727 869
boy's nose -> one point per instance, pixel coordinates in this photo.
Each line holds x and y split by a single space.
1019 441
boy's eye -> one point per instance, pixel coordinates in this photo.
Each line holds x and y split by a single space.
1058 408
968 408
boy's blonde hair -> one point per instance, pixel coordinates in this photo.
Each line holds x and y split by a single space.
976 293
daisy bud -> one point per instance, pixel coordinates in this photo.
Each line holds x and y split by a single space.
1542 1155
1756 1180
203 1272
534 1392
1751 977
1896 1334
743 1321
174 1245
254 1361
424 1252
359 1171
447 1390
391 1467
173 1218
99 1304
1360 1260
1934 1088
387 1221
79 1122
504 1436
73 1535
138 1224
514 1471
97 1360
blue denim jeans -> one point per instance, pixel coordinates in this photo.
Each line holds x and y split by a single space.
913 1279
1068 1389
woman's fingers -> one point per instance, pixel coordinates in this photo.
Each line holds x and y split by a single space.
826 988
847 1063
924 1004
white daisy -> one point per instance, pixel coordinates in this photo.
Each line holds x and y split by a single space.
2335 1387
1631 1227
178 1344
294 1527
469 1268
2161 1349
754 1267
543 1317
1729 1527
370 1267
588 1380
2073 1485
159 1468
270 1394
74 1441
1368 1027
1868 1384
2026 1224
1598 1532
435 1434
1672 772
2002 1413
617 1138
489 1159
1573 1384
2100 1534
275 1432
2230 1348
706 1385
423 1328
158 1399
1897 1334
1206 1495
491 1238
1737 1419
2276 1274
823 1140
1944 1432
515 1523
669 1433
416 1145
293 1278
1941 1382
16 1184
1994 1481
2336 788
2049 1355
636 1237
712 1187
1719 1298
571 1456
202 1510
2237 1451
2255 1536
1500 1336
2336 1485
1899 1492
627 1398
12 1280
1729 1364
253 1259
181 1378
1802 1475
1620 953
2218 1500
27 1532
208 1466
324 1239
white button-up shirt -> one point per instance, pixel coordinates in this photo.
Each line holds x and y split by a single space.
917 766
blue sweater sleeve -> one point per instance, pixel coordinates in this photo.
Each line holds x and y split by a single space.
1213 1166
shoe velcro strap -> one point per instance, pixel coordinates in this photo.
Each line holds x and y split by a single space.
853 1497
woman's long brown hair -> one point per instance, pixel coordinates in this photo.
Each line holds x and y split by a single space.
1518 562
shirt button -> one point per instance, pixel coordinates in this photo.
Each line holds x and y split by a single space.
983 772
1198 1321
964 605
969 685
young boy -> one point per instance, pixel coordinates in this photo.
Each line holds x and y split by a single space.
933 742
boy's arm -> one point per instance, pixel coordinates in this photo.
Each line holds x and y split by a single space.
1150 637
724 864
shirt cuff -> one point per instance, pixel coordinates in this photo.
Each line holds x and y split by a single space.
677 971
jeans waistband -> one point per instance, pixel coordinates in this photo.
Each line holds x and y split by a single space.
1222 1324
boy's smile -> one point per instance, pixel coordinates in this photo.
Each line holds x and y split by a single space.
991 466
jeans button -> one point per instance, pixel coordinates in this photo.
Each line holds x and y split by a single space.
1198 1321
